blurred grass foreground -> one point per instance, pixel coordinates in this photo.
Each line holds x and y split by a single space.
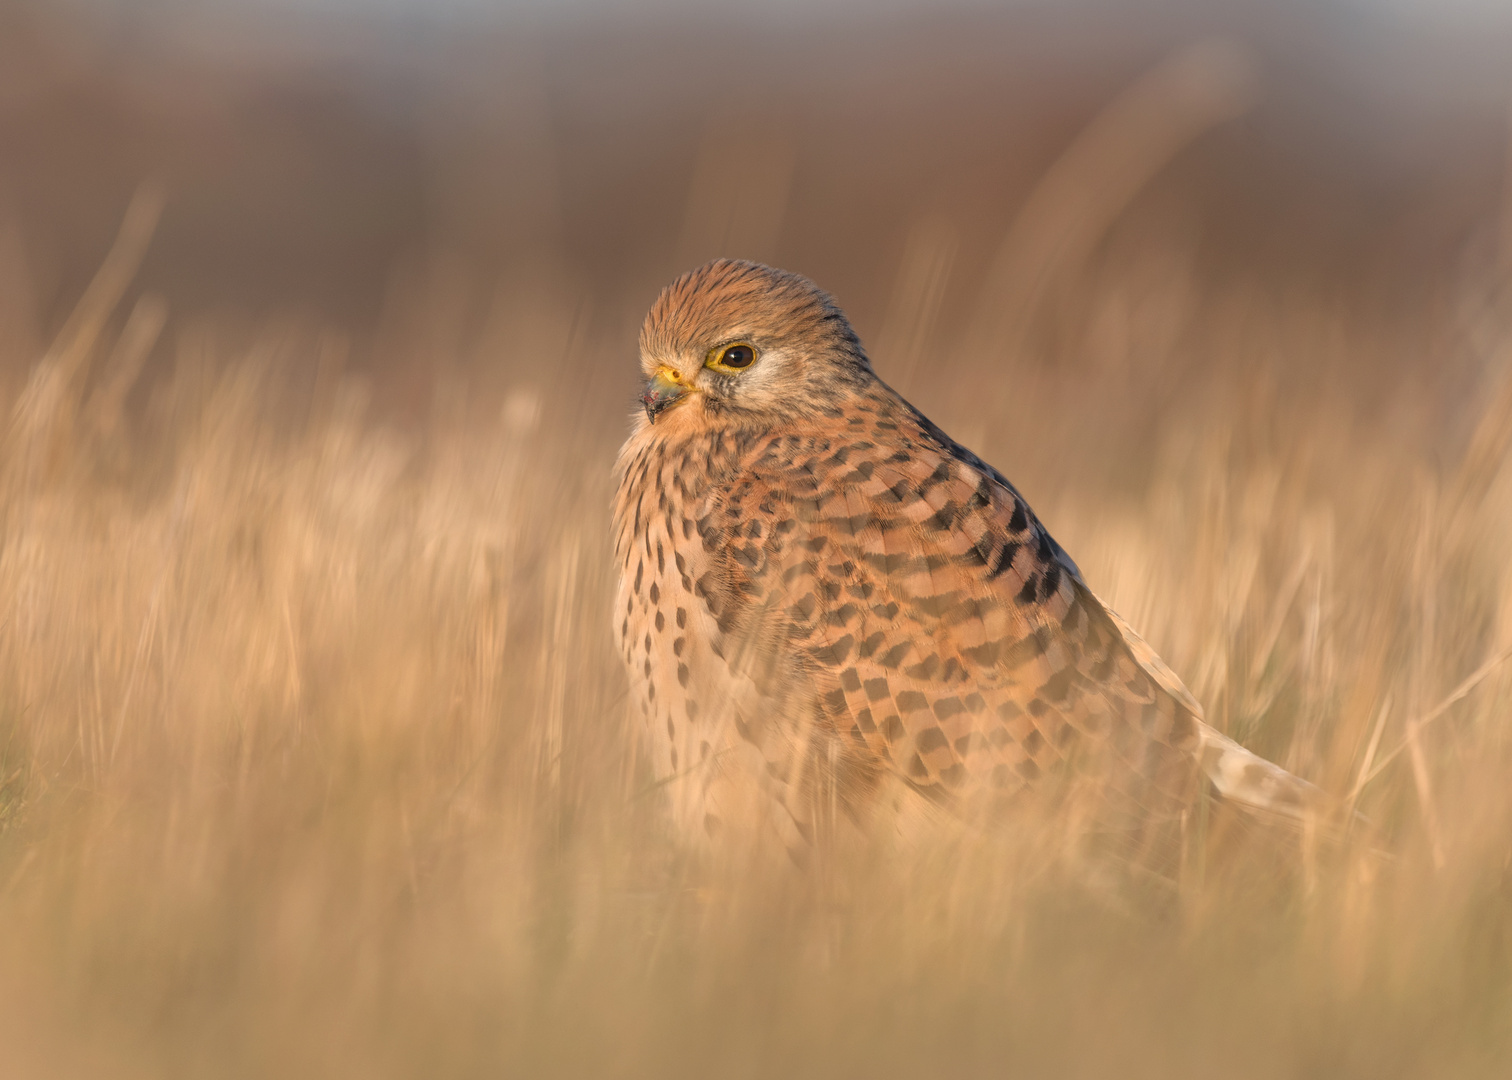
313 751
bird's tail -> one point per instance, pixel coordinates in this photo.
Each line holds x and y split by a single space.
1265 789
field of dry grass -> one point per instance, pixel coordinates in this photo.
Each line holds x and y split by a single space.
313 750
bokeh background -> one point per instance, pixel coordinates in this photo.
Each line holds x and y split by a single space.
317 341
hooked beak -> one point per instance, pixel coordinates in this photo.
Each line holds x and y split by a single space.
664 389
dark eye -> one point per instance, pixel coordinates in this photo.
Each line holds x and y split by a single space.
733 357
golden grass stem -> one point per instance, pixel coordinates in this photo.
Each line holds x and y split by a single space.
1417 724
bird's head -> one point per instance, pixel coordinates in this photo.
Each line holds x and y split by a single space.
739 342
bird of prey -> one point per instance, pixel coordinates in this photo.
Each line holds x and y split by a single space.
824 598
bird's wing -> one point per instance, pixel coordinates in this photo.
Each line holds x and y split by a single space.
944 631
947 637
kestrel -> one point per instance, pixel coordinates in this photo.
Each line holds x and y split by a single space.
822 596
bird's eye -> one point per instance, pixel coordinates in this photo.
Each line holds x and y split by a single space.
733 357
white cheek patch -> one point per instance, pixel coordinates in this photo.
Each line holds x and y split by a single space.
770 380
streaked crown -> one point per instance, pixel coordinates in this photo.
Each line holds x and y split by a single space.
731 299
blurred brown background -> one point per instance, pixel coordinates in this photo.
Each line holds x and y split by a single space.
318 157
313 755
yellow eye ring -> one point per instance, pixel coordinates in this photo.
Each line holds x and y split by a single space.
735 356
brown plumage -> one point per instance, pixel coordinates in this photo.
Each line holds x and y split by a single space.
824 598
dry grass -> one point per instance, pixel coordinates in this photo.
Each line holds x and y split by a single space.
313 762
